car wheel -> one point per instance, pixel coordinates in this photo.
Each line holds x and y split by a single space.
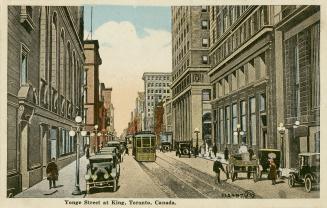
308 184
114 188
291 181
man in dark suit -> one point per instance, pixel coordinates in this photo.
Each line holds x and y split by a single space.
217 166
52 173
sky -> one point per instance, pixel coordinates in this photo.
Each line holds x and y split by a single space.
132 40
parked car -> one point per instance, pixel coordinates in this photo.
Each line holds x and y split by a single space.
308 171
117 145
184 148
103 171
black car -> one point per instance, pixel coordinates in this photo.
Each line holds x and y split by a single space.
308 171
165 146
184 148
103 171
118 146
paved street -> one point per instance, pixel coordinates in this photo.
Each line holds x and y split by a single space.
169 176
261 188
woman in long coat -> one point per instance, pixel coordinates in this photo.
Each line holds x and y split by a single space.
52 173
273 171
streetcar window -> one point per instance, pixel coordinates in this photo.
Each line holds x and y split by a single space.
138 142
146 142
153 141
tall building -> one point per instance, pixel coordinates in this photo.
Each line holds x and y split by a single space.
45 67
297 40
106 115
139 111
242 76
109 125
91 90
156 88
191 90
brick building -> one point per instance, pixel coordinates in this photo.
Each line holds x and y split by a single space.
191 90
45 66
91 90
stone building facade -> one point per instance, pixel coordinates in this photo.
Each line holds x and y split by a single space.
156 88
242 76
45 67
91 90
191 90
297 38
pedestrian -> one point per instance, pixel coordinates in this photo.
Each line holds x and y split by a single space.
52 173
126 149
226 153
94 149
217 166
272 171
214 149
87 152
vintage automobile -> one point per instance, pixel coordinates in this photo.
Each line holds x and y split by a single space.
264 155
103 171
165 146
308 171
117 145
183 148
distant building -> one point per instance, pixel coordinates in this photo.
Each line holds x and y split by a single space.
156 88
91 90
139 111
45 66
191 90
106 114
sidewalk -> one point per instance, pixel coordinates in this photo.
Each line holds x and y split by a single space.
65 184
262 187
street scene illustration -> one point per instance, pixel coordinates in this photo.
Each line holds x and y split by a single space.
126 101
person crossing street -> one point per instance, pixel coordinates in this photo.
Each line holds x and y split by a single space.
217 166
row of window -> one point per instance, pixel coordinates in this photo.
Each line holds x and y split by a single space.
227 119
240 77
66 143
243 33
159 77
158 91
159 84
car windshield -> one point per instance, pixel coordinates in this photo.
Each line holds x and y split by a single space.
101 164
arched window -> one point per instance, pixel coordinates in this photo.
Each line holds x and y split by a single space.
68 68
72 78
43 45
62 63
54 76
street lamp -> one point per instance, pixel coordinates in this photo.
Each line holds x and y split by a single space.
196 131
98 135
281 129
96 139
238 132
72 133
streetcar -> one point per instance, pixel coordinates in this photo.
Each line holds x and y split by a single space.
144 146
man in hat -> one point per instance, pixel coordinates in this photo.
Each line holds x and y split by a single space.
272 171
52 173
217 166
